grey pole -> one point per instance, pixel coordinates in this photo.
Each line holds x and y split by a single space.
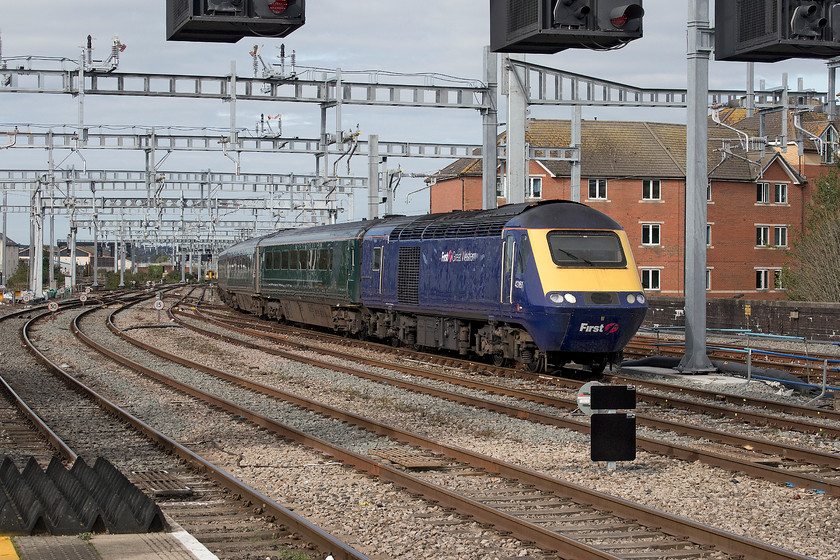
373 176
490 122
695 359
3 270
575 164
95 251
517 174
72 248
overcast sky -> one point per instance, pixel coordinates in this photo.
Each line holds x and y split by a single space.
434 36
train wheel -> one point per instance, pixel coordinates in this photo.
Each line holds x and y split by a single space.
500 361
598 366
537 365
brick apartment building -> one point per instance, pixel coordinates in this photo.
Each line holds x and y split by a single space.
635 172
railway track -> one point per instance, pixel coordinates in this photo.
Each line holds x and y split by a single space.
89 425
758 457
661 393
543 486
735 351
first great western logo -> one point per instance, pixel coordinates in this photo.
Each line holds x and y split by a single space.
609 328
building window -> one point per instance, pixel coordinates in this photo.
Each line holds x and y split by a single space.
597 189
709 190
651 189
535 187
650 279
762 236
501 183
780 236
708 235
777 279
830 146
761 279
708 279
650 234
762 193
780 193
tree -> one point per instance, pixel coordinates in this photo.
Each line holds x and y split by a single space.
814 270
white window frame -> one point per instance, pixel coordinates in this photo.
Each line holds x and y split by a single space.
708 235
651 273
780 193
780 236
762 236
762 193
708 279
762 277
600 189
531 182
778 284
652 230
652 189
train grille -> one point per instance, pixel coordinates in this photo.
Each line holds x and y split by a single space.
408 272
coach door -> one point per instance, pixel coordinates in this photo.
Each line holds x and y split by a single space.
506 280
515 255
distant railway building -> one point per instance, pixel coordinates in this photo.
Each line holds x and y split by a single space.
635 172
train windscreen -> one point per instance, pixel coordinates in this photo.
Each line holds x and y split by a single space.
586 249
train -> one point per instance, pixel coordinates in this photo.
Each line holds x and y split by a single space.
544 284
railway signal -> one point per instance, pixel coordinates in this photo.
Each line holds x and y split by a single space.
773 30
227 21
550 26
612 434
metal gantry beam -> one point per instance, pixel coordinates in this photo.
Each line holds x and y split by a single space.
129 180
550 86
327 90
167 142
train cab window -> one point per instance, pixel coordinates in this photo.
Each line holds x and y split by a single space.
582 249
376 258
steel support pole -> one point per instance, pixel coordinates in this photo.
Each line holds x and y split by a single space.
490 128
517 174
577 119
3 272
373 177
95 251
695 359
72 248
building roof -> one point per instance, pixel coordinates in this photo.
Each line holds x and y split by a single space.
9 241
633 149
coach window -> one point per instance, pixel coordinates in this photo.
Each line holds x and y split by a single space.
323 259
294 262
376 258
523 254
284 260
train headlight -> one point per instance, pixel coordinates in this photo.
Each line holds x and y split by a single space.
556 298
570 298
640 298
631 298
